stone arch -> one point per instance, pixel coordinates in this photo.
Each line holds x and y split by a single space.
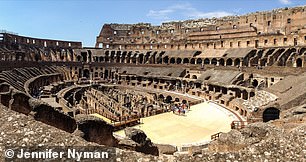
134 59
172 60
214 61
237 62
191 84
245 95
192 61
84 56
302 51
86 73
206 61
255 83
185 61
168 99
199 61
141 58
221 62
241 112
4 87
161 97
252 94
270 113
166 60
299 62
128 57
229 62
178 60
106 75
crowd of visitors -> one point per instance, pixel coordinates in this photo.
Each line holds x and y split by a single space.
180 109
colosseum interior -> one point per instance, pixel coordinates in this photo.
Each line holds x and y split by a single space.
251 66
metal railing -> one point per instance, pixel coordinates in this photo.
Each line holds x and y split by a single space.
215 136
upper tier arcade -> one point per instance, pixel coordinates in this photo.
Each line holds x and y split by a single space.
8 39
280 27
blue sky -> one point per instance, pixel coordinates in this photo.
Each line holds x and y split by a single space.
80 20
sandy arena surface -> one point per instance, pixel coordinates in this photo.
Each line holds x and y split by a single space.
196 126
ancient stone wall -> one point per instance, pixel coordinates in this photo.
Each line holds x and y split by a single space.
281 27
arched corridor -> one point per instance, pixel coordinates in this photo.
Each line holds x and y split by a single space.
299 62
206 61
221 62
86 73
185 61
271 113
237 62
229 62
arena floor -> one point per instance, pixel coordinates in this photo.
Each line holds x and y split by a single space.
195 127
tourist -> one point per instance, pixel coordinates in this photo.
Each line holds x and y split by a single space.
173 109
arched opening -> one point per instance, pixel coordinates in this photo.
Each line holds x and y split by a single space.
252 94
236 108
86 73
206 61
241 112
229 62
106 74
134 59
141 59
128 60
192 61
255 83
185 61
271 113
221 62
214 61
194 77
79 58
191 84
199 61
302 51
161 97
84 55
166 60
237 62
299 62
168 99
172 61
118 56
245 95
178 60
184 101
177 100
